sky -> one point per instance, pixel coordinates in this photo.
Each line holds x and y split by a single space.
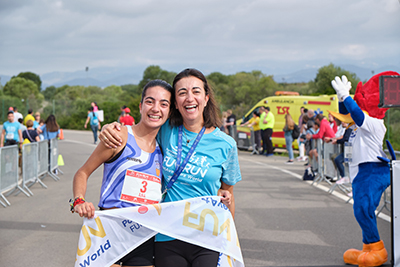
228 36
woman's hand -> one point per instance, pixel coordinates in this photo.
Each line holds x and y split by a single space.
109 135
226 197
85 209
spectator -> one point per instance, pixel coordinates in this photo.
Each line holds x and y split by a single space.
223 127
22 126
312 128
267 122
36 122
255 124
127 120
17 115
332 123
29 116
325 133
122 113
95 107
50 128
94 123
11 133
30 133
303 113
231 122
288 130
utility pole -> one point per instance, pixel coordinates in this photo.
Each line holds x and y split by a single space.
87 70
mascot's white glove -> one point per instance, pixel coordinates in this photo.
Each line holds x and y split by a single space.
342 87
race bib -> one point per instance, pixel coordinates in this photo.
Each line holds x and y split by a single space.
141 188
348 152
9 136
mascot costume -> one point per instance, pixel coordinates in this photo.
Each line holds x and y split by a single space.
370 176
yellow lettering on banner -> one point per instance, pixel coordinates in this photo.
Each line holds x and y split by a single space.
226 225
85 234
187 214
229 260
100 232
158 208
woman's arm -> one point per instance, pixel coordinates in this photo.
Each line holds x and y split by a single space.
100 155
87 121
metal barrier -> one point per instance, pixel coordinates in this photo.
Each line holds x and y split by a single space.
53 155
43 158
30 166
9 172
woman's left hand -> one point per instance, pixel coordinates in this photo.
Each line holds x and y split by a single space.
226 197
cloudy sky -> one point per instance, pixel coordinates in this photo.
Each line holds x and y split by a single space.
274 36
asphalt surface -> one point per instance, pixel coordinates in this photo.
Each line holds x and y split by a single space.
281 220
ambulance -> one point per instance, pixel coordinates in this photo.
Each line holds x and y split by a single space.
281 104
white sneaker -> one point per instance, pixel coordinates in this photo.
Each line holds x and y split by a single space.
344 180
301 158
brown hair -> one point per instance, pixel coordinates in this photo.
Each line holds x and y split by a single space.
51 124
29 123
211 111
289 122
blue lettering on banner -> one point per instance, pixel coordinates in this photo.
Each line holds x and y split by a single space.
214 203
91 258
132 225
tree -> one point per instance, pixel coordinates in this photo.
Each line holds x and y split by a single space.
155 72
322 83
49 92
21 88
33 77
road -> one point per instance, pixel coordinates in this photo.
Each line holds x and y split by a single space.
281 220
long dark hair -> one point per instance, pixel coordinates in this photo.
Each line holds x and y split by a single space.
51 124
211 111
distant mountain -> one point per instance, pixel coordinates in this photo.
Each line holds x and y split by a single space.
301 76
101 77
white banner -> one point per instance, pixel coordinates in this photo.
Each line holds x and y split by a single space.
203 221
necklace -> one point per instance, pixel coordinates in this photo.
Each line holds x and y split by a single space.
187 139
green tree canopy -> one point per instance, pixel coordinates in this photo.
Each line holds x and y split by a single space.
33 77
155 72
21 88
322 82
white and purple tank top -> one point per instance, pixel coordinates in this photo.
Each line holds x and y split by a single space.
130 158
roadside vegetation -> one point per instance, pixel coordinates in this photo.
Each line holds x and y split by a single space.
238 92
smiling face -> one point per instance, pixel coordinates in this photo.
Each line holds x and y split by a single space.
190 100
154 108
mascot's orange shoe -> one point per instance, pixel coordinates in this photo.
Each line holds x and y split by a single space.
375 257
351 255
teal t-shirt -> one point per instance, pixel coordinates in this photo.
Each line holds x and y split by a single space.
94 120
11 129
215 159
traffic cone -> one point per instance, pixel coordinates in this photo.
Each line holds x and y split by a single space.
61 136
60 160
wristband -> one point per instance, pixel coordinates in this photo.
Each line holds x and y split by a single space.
78 200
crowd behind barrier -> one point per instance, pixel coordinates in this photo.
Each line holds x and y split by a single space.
323 168
20 172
